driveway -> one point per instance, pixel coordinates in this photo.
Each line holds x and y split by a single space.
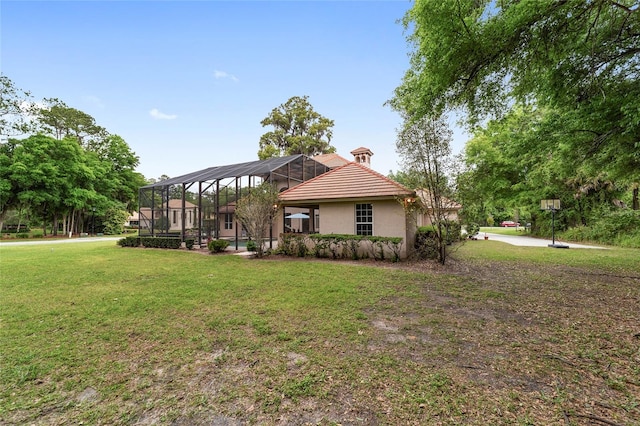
520 240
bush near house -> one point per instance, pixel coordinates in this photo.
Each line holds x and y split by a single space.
341 246
217 246
426 244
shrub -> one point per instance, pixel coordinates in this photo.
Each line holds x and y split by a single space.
23 235
251 245
129 242
473 229
345 246
217 246
155 242
426 244
37 234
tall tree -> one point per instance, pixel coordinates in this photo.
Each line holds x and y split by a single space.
579 58
61 121
13 105
424 146
297 129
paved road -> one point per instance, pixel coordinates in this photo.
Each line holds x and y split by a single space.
60 241
520 240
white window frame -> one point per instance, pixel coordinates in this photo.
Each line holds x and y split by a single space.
228 221
358 218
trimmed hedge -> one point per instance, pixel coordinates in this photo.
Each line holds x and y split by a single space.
155 242
341 246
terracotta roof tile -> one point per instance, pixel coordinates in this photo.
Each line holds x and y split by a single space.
331 160
349 181
361 150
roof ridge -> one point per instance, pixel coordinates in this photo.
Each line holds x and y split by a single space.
370 170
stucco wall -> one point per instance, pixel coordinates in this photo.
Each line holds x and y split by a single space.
389 220
340 218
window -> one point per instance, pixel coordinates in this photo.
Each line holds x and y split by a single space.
228 221
175 216
364 219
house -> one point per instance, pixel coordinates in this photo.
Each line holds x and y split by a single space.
324 194
169 217
448 209
133 220
354 199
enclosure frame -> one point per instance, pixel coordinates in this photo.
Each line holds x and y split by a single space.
154 199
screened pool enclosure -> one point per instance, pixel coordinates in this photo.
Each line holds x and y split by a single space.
201 205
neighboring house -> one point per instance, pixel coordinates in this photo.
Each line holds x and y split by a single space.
174 214
354 199
449 209
133 220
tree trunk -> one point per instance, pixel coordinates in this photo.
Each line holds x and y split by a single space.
636 202
55 224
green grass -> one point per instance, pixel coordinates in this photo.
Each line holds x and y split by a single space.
611 259
99 334
504 231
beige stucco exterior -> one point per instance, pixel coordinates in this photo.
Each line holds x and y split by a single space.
389 219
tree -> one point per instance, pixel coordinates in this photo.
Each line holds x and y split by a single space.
61 121
257 211
576 58
425 148
297 129
13 103
8 192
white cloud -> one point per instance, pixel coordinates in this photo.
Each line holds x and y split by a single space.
155 113
222 74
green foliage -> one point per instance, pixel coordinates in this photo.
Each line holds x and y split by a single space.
427 244
217 246
113 221
60 178
251 245
555 84
620 228
22 235
473 229
12 108
297 129
155 242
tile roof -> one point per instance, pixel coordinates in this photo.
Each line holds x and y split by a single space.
361 150
446 203
349 181
331 160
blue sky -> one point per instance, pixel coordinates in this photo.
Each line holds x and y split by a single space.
186 84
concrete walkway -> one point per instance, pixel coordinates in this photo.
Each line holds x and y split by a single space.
521 240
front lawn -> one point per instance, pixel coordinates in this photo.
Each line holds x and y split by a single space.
100 334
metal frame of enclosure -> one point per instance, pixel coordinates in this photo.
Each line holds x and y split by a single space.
165 209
